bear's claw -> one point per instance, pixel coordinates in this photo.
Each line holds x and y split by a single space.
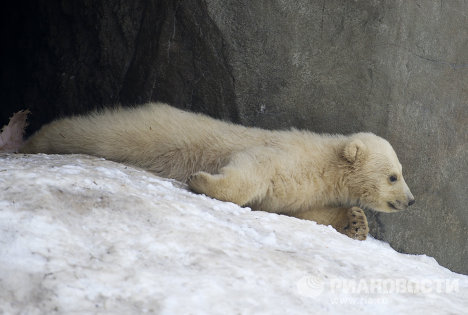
357 227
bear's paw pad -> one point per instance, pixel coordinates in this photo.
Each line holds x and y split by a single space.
357 227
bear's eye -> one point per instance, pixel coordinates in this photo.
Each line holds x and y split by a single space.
393 178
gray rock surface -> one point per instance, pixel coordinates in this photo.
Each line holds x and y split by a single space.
396 68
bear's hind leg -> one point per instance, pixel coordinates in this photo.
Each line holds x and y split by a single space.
231 185
243 180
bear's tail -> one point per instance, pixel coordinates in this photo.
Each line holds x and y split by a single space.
11 136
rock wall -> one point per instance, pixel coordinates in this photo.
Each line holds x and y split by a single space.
396 68
67 57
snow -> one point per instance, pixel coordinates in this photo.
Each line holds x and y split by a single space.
80 234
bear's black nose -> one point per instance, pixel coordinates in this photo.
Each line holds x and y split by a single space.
411 202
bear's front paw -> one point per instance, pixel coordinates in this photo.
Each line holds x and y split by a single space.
357 227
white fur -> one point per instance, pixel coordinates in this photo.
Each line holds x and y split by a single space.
287 172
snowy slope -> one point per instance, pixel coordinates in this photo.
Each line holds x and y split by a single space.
84 235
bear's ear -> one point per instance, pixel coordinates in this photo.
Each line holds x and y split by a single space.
354 150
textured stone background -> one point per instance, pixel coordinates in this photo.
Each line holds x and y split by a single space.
396 68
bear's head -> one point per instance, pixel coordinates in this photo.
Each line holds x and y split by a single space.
374 175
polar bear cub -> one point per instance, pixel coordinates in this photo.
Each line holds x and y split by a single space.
326 178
